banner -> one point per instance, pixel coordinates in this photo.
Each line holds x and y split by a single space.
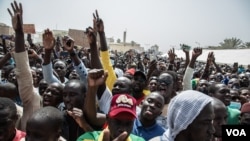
29 28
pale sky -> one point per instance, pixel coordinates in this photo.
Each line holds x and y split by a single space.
166 23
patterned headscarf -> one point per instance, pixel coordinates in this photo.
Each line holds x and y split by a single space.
182 110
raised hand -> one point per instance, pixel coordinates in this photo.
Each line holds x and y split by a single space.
121 137
17 17
210 57
91 35
32 53
185 51
196 52
97 23
69 44
48 40
171 55
96 77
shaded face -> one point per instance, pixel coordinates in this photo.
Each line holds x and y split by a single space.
117 127
74 75
234 83
72 96
52 95
39 74
219 77
223 94
122 85
42 87
153 85
7 126
235 95
60 68
162 66
179 82
138 83
245 119
220 119
244 80
37 130
165 85
34 76
212 78
201 129
245 95
152 106
203 86
119 65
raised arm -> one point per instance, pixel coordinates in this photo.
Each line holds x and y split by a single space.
33 54
218 69
78 64
48 43
171 56
95 59
187 58
31 100
187 85
96 77
206 73
152 67
105 56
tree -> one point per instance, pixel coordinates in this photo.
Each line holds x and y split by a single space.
232 43
247 44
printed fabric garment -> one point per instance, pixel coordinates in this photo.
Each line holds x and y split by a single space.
98 136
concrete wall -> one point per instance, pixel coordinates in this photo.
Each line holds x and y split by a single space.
121 48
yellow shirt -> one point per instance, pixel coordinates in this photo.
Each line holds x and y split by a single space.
107 66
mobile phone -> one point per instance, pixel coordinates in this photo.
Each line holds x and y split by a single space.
64 53
185 47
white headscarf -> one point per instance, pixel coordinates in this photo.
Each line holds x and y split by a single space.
182 110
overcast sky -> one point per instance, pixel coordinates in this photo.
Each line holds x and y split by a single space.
166 23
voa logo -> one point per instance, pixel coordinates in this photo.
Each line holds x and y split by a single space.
236 132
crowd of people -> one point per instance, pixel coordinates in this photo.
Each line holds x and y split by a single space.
57 91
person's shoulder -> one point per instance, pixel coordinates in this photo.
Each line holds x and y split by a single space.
233 110
89 136
157 138
136 138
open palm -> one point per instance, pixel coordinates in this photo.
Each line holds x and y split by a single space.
48 40
16 18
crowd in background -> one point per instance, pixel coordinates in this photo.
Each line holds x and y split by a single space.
58 91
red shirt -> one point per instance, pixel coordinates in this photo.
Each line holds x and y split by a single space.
19 135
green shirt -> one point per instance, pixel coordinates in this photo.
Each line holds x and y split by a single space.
233 116
98 135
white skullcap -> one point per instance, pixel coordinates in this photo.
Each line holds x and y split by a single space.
182 110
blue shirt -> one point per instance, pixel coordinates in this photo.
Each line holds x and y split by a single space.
147 132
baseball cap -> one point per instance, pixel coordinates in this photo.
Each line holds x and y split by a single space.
123 106
131 71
